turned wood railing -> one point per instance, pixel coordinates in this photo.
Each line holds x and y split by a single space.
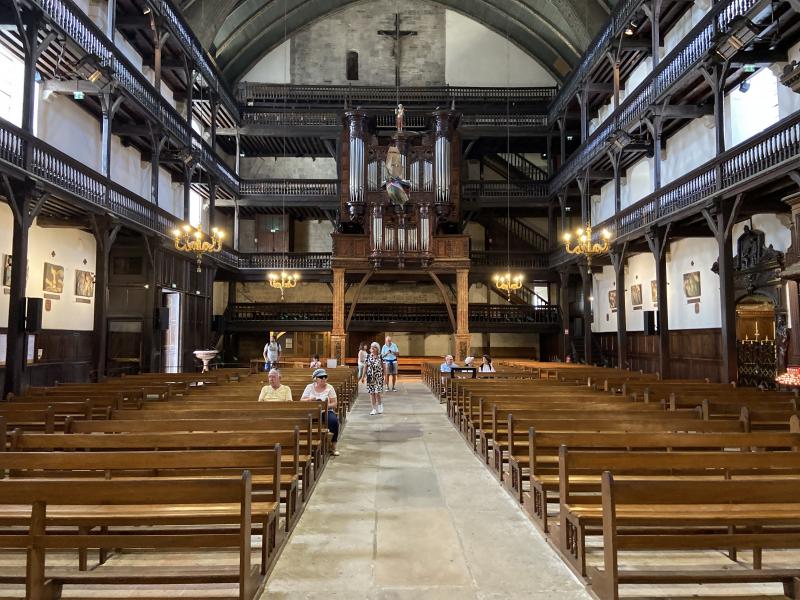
291 261
348 95
509 260
291 188
681 61
419 314
516 188
72 22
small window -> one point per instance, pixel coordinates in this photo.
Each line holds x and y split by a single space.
352 65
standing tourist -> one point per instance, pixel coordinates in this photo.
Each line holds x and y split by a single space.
274 391
389 354
272 353
362 359
322 391
486 365
373 371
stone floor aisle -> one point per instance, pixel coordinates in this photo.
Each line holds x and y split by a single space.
407 511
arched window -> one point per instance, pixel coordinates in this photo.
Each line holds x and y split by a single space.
352 65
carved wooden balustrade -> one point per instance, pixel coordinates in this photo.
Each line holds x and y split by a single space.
413 317
73 23
683 60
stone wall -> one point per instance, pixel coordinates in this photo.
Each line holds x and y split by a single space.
291 167
319 52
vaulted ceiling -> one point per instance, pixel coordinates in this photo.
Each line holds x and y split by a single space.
553 32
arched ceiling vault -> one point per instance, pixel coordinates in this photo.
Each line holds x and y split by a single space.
553 32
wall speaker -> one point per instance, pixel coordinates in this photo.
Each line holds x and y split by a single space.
650 322
162 318
33 315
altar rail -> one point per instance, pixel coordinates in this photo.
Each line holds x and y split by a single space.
65 16
681 61
349 95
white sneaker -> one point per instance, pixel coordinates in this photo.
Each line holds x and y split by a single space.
373 412
380 409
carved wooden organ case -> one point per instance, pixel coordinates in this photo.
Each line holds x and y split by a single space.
427 163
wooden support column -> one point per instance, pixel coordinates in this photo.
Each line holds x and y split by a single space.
563 301
338 334
25 202
212 201
615 156
157 142
658 241
586 211
463 337
617 256
586 280
793 354
105 233
583 101
655 125
721 216
653 12
109 103
562 129
188 174
551 225
151 337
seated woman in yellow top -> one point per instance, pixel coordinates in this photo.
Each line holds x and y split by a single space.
274 390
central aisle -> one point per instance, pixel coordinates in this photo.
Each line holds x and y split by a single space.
407 511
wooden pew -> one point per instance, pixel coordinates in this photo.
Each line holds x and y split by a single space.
135 505
747 515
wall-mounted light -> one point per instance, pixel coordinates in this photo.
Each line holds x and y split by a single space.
77 95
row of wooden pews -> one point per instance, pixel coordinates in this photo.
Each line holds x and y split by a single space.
621 469
188 463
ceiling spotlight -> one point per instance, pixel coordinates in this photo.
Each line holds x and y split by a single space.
569 138
744 86
630 29
96 74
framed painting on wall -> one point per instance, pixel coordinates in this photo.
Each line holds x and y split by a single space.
612 299
691 284
53 280
654 291
84 284
636 294
6 270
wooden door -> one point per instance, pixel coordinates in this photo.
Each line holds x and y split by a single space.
272 233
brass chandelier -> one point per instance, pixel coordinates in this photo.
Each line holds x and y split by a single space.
189 239
585 245
507 282
283 281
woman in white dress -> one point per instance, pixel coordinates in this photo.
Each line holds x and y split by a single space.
486 365
373 369
321 390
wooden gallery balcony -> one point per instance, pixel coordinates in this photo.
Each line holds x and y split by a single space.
429 318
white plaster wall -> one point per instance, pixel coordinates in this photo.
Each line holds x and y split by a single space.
693 254
604 319
689 148
477 235
476 55
275 67
641 269
291 167
71 248
684 25
638 182
72 130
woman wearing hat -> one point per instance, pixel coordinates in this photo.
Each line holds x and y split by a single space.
321 390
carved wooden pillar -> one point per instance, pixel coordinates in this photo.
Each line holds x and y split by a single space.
721 218
463 338
105 233
658 241
618 262
338 335
563 300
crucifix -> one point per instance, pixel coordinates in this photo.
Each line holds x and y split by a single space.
396 34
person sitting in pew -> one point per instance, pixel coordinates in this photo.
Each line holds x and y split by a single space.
315 362
321 390
274 391
486 365
447 365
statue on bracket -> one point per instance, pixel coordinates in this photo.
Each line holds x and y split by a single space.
751 250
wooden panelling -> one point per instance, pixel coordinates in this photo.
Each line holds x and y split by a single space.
694 353
66 357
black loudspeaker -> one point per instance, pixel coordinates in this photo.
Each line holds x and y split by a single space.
162 318
217 323
33 315
650 319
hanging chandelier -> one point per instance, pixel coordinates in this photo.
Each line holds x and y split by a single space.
585 245
507 282
189 239
283 281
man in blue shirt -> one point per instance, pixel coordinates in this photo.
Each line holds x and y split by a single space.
447 365
389 354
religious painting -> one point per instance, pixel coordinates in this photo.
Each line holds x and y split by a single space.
636 294
654 291
691 284
612 299
53 280
6 270
84 284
